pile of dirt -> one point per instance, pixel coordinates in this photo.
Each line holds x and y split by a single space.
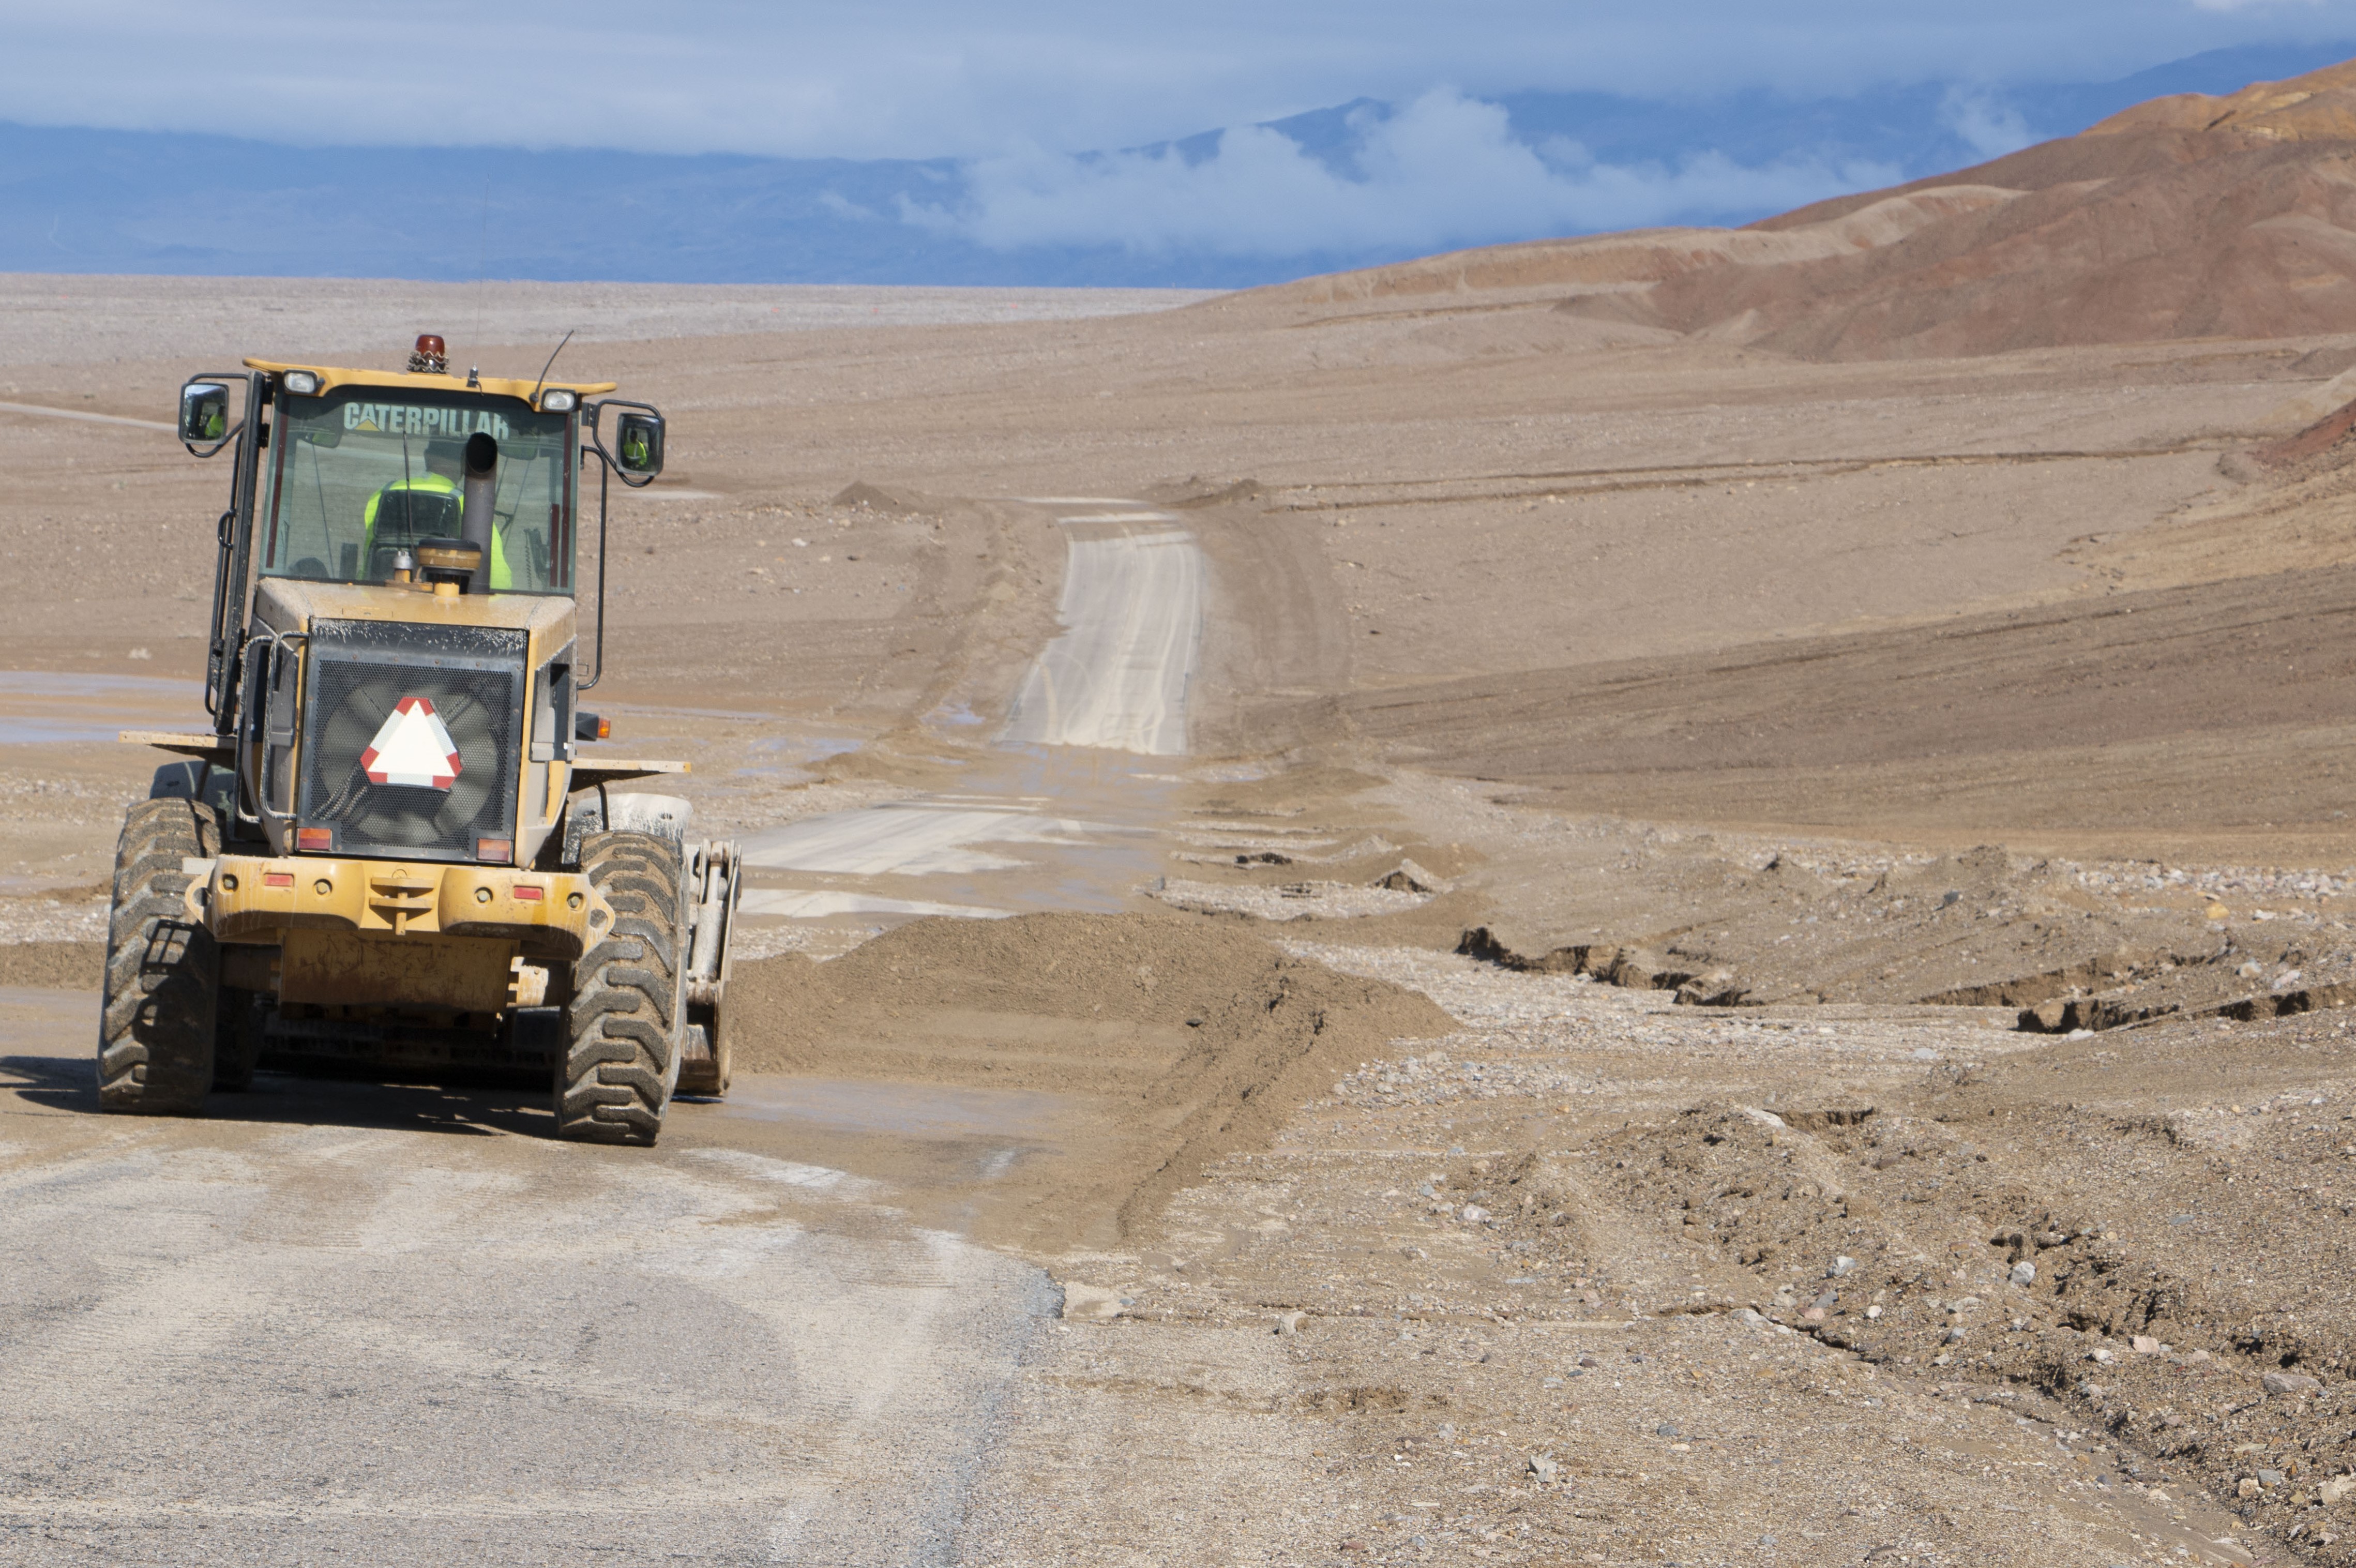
54 966
2060 947
861 496
1199 1039
1965 1235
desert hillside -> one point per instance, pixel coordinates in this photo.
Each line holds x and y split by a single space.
2187 217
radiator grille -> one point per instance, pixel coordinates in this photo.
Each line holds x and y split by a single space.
361 673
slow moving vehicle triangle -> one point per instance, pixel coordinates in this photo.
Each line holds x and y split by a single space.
412 748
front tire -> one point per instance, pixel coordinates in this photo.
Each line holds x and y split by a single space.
625 1024
157 1016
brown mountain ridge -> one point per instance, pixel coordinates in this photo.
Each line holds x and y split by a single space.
2186 217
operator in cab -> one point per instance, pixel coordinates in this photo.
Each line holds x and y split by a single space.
431 505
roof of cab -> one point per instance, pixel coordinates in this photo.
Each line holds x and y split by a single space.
331 377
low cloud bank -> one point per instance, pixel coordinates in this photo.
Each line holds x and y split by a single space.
1445 170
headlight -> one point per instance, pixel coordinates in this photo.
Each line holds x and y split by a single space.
302 384
559 400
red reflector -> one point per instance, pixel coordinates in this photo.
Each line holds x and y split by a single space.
315 838
500 850
278 879
527 895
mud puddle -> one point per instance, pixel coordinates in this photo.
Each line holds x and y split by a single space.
1065 813
913 1111
47 707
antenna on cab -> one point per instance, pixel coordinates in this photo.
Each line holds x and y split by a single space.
544 369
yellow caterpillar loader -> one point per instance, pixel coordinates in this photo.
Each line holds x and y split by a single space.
392 853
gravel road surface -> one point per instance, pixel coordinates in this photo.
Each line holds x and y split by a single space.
404 1326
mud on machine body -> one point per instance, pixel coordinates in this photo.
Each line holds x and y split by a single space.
393 852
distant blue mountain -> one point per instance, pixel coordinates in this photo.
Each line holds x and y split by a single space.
75 200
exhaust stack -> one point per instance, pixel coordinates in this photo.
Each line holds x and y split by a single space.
481 489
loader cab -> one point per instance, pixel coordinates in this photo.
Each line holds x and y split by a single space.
361 476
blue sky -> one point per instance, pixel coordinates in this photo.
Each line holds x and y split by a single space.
1210 140
933 79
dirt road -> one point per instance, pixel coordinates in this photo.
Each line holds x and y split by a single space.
406 1325
1132 616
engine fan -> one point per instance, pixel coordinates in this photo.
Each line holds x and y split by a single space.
412 816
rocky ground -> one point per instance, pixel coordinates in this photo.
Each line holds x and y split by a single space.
1596 1278
1869 840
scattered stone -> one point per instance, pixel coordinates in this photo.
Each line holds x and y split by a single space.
2270 1477
1089 1303
2145 1345
1412 878
1474 1214
1667 1429
2248 1489
1543 1468
1288 1324
1874 1311
2102 1355
2335 1488
1842 1267
2291 1383
1718 988
2024 1273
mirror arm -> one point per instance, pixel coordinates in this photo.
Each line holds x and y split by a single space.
214 449
224 378
596 412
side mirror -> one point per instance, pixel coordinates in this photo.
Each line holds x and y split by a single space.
204 413
638 444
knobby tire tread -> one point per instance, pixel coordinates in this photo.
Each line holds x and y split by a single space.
159 1013
622 1062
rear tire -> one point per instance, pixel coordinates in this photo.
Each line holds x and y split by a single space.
158 1014
624 1026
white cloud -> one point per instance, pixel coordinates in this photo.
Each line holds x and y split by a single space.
1987 125
1446 170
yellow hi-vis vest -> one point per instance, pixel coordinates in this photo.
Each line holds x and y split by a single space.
435 484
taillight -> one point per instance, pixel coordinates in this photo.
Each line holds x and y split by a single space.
315 841
499 851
